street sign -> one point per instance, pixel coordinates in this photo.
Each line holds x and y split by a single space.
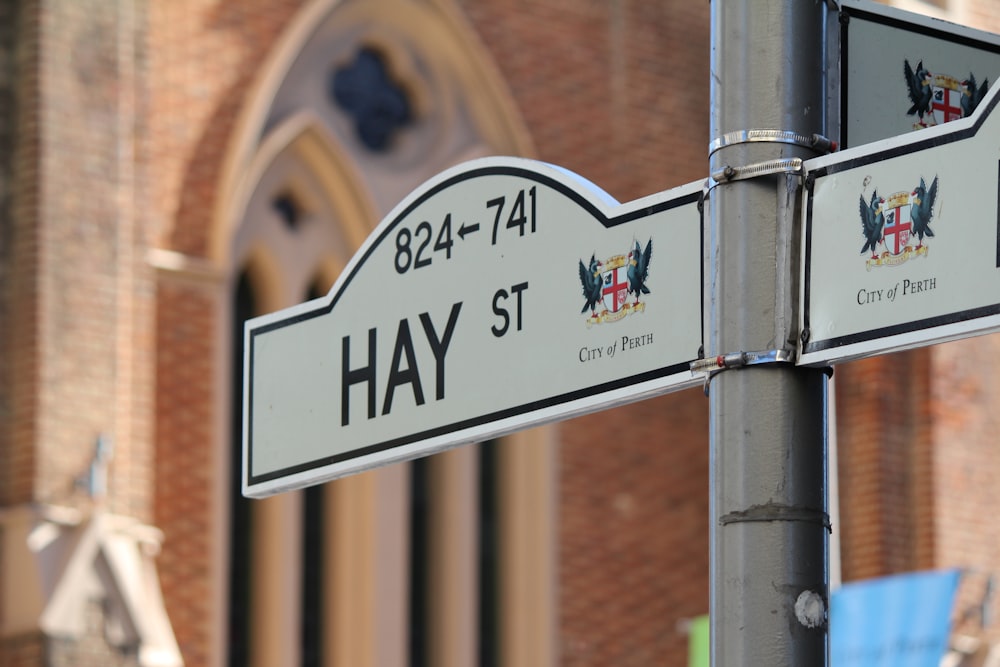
886 51
902 242
502 294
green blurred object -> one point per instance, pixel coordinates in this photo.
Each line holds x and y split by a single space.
698 643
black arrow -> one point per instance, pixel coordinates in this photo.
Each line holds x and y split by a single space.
463 230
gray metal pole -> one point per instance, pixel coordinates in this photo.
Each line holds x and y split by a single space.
769 546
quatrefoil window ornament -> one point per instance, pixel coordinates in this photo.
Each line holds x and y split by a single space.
377 103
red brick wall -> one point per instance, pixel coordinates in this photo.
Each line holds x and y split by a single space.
617 92
77 233
19 254
19 261
186 410
76 294
634 531
884 453
203 57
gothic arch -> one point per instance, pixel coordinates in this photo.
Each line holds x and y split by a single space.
455 87
300 160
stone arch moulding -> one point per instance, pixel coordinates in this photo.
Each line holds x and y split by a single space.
265 276
428 42
336 192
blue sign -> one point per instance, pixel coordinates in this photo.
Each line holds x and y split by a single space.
897 621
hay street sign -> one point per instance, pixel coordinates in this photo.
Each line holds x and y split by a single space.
502 294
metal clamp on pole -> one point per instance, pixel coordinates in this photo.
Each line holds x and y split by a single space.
791 165
712 366
817 142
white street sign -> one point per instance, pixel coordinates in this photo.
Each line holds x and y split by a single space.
464 316
901 72
902 242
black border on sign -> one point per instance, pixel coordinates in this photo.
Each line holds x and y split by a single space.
878 156
496 170
908 327
847 13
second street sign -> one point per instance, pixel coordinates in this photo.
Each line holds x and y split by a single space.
501 294
902 243
902 72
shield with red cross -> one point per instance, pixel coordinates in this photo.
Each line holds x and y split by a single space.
615 290
896 232
946 100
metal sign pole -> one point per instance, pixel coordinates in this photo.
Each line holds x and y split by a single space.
769 544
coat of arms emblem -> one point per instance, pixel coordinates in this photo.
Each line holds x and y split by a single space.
941 98
895 222
607 284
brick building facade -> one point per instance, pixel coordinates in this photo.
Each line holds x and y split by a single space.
168 168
